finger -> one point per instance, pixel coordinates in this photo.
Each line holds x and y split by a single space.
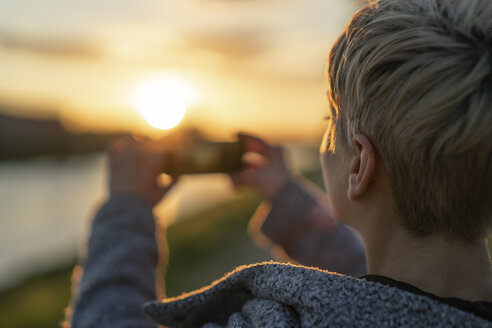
121 145
155 159
152 168
130 143
254 144
277 154
237 180
139 137
116 146
254 161
166 182
127 139
245 178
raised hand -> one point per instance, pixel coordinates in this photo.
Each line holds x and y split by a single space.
135 168
265 168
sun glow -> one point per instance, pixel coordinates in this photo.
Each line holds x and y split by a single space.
162 101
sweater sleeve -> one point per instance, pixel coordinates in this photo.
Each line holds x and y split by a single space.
119 273
299 220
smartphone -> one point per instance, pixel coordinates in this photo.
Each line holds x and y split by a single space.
204 157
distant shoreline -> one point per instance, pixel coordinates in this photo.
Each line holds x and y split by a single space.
25 138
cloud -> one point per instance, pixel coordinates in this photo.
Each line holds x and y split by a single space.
238 44
232 44
48 46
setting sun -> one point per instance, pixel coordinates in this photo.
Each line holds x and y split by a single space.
162 101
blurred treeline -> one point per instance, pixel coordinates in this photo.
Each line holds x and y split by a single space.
23 137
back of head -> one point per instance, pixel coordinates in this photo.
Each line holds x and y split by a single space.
415 76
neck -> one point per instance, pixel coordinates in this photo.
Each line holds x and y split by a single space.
434 264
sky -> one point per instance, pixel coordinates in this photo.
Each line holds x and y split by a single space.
254 65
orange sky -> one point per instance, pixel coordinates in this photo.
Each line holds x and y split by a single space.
254 65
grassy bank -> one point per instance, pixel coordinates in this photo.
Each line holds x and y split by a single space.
203 248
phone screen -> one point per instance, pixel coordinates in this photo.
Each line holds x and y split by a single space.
205 157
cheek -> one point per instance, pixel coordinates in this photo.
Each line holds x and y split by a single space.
334 184
325 169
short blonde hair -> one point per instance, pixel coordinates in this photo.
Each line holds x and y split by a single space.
415 76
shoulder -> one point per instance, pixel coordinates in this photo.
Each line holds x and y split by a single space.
315 298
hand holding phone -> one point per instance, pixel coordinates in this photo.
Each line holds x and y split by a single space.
265 170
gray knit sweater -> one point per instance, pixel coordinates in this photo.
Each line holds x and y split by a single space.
280 295
119 278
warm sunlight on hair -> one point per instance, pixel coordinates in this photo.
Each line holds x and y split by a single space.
162 100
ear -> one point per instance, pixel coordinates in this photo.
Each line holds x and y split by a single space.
362 167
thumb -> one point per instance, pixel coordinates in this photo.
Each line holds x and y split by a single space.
254 144
245 178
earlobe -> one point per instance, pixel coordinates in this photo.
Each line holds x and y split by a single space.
362 168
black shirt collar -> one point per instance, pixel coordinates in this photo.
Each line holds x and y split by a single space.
480 309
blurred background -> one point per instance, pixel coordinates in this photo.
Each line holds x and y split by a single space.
75 74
